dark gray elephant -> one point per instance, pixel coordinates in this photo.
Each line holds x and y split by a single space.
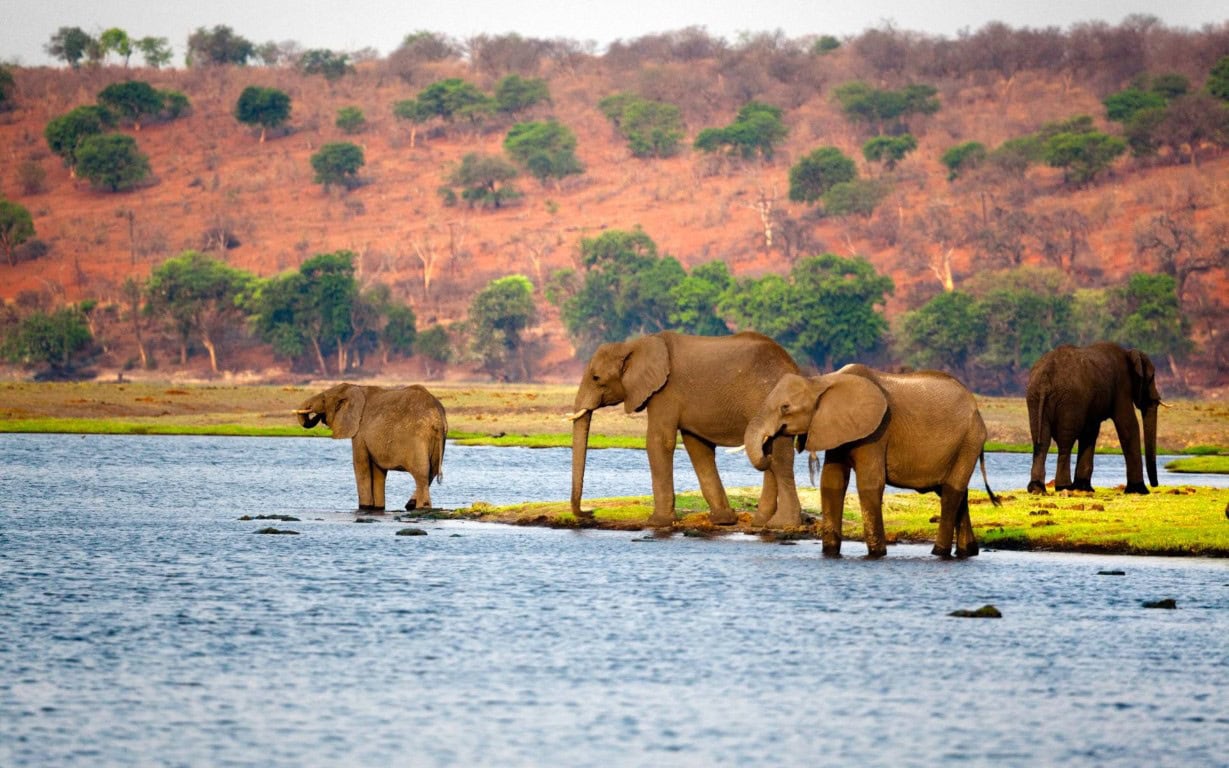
916 430
1071 390
706 388
389 429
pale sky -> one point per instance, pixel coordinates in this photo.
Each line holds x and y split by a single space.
348 25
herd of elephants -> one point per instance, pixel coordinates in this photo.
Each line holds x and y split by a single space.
918 430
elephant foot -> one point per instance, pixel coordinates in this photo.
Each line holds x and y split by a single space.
781 520
660 521
877 553
963 554
1037 487
1084 485
1060 488
832 551
723 517
1139 488
369 508
943 552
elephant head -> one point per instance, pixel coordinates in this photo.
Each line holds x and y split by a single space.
1147 400
621 372
824 412
339 407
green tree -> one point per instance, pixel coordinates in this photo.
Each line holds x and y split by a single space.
625 290
696 298
16 227
65 133
485 180
889 150
116 40
319 61
828 310
1028 312
264 107
1123 105
652 128
156 50
399 332
112 160
7 87
201 298
946 332
453 98
351 120
310 311
1082 155
57 339
70 44
498 317
854 198
338 163
434 345
1147 316
818 172
415 113
757 129
218 46
885 110
1217 83
546 149
132 99
1015 156
963 157
514 93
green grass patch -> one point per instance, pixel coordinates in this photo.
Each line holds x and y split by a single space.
1202 464
150 427
1178 520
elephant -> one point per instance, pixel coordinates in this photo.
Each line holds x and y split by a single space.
705 387
1071 390
389 429
918 430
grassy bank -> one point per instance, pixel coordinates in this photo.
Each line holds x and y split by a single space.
1180 520
488 414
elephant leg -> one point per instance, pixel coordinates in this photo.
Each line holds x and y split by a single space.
378 476
950 500
362 476
966 540
1083 463
833 482
1062 470
660 447
1041 449
422 492
1127 428
870 497
704 461
779 492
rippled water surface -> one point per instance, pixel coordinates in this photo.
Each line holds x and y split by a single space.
142 623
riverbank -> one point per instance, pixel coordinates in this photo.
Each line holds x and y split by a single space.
532 415
1170 521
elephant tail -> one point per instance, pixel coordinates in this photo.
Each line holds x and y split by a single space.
437 451
993 499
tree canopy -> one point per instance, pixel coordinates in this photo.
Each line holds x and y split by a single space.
546 149
265 107
16 227
818 172
338 162
201 298
498 317
218 46
112 160
132 99
756 130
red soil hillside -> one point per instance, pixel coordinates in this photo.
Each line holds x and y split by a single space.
212 173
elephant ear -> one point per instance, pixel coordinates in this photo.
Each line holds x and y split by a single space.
847 408
347 411
1143 376
645 370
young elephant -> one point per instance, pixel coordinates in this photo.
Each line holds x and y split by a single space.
917 430
402 429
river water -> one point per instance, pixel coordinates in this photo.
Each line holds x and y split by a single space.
142 623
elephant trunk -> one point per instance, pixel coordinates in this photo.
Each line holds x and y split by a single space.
580 447
307 418
1150 441
754 439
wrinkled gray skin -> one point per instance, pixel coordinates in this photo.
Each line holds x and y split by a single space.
706 388
1071 390
389 429
918 430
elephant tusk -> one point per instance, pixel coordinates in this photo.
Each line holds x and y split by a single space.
578 414
301 411
736 449
1163 404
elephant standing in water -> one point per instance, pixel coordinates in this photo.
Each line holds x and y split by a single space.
707 388
389 429
917 430
1071 390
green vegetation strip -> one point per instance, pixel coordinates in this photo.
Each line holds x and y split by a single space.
1202 464
1179 520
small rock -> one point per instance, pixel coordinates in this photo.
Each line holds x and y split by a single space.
365 520
411 532
1039 513
985 612
277 532
1111 573
1168 603
934 518
1043 523
282 518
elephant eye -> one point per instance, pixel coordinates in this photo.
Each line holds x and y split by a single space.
784 408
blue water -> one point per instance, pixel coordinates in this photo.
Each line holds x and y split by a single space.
142 623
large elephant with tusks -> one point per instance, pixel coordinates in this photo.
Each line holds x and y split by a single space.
704 387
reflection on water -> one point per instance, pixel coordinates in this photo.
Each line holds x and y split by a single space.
141 622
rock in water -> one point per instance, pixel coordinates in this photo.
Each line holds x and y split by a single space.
1168 603
985 612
